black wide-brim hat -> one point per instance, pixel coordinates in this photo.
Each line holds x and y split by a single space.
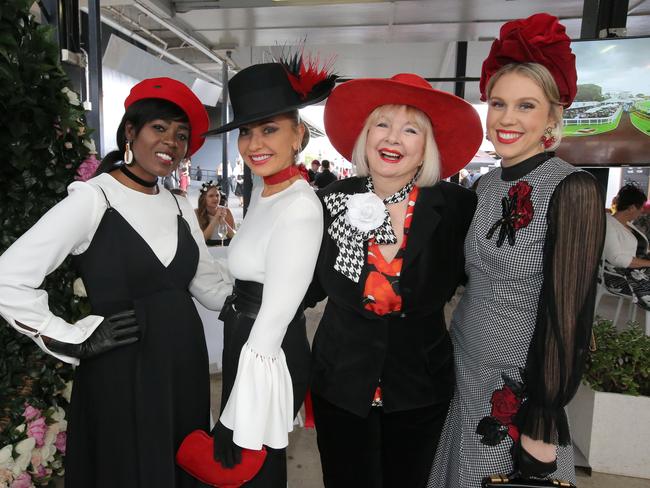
264 90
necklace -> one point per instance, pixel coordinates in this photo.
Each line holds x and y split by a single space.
282 175
137 179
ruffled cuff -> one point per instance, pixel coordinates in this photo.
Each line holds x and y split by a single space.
260 406
546 424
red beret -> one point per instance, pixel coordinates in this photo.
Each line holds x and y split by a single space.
180 95
538 39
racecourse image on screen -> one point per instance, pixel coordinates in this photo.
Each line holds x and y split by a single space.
609 121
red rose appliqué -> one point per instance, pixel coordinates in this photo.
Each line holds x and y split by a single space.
501 421
522 211
516 213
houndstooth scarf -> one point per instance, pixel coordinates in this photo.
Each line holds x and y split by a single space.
349 239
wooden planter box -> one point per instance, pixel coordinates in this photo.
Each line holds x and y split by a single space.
612 431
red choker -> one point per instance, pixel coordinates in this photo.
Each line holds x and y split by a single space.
282 175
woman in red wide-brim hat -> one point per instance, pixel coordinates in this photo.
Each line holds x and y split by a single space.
142 381
522 328
392 255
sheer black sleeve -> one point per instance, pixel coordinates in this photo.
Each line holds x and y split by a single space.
560 344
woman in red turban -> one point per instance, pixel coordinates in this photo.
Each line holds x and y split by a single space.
521 331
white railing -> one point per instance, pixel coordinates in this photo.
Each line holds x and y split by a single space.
595 120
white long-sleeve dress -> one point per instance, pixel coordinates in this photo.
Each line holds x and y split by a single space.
277 247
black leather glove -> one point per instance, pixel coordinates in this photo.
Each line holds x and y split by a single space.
225 450
117 330
531 467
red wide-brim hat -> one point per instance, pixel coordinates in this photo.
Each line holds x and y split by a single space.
195 456
179 94
456 125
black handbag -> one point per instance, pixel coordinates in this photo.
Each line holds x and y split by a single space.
506 481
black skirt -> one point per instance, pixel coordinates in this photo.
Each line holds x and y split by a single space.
238 316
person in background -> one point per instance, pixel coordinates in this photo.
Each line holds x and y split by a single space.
216 221
199 173
392 255
522 329
142 382
315 166
184 169
325 177
625 255
266 355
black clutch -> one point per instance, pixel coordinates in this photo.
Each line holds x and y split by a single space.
504 481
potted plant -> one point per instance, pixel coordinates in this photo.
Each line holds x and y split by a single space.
610 414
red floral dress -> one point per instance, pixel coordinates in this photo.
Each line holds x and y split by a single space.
381 293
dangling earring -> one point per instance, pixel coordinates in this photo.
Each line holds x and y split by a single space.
128 154
548 139
487 136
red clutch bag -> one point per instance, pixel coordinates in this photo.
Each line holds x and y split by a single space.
195 457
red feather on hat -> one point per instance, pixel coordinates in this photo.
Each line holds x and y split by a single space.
304 72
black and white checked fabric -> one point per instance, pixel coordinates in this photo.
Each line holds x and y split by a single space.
492 328
349 239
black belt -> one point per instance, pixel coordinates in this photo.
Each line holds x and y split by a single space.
246 299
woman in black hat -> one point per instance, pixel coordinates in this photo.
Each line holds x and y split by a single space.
266 354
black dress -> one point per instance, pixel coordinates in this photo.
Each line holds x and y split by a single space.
132 407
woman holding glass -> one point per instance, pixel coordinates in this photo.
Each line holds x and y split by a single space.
216 221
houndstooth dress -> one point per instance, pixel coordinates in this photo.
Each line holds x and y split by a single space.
493 326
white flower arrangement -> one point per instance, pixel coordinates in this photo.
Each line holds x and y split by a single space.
366 211
36 453
78 288
73 98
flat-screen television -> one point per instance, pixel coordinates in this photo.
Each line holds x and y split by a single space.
608 123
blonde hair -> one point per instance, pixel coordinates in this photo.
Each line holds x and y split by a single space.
430 169
542 78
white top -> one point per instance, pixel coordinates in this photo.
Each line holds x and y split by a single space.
68 228
277 245
620 244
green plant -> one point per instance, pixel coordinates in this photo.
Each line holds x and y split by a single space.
621 361
44 140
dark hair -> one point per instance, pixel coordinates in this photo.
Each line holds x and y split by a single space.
629 195
325 164
140 113
178 191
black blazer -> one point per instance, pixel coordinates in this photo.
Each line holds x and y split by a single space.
411 353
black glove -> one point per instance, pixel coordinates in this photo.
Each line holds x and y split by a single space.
117 330
531 467
225 450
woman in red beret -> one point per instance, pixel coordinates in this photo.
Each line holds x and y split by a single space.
141 382
521 331
392 255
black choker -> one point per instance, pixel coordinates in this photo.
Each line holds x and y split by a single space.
137 179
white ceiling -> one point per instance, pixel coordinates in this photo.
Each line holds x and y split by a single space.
367 38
